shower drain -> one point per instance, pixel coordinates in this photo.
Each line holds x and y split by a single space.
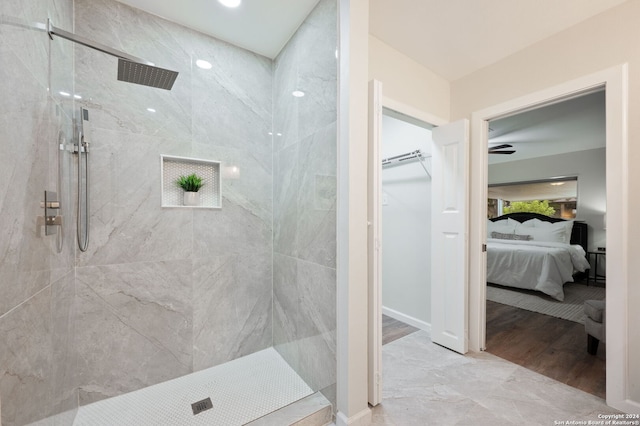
200 406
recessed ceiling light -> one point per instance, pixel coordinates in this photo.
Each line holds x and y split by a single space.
298 93
77 97
205 65
66 94
151 110
230 3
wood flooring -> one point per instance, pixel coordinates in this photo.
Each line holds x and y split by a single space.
553 347
393 329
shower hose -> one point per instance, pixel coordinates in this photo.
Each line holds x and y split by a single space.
83 197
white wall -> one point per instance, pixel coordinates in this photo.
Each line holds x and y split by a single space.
588 165
406 81
606 40
406 225
422 93
351 262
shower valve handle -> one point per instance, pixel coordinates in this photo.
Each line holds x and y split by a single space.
48 223
51 219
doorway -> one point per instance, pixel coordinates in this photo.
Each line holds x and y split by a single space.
400 235
408 168
406 219
549 161
614 80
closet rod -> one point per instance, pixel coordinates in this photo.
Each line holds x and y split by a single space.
404 157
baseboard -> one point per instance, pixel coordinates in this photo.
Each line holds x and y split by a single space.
315 409
626 406
363 418
407 319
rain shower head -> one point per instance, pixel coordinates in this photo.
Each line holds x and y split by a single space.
130 68
147 75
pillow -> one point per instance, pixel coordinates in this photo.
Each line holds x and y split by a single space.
512 222
563 229
523 228
505 226
548 234
531 223
522 237
568 229
502 222
502 236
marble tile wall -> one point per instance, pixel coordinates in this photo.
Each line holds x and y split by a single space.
36 279
305 159
162 292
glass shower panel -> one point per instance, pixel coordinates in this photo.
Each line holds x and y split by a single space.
36 271
163 293
305 141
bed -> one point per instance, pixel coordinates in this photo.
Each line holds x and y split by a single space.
535 252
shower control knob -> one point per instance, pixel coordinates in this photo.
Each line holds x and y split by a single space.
48 224
51 219
54 220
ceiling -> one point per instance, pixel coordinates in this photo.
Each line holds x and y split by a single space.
450 37
454 38
262 26
573 125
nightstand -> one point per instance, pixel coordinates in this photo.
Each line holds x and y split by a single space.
594 258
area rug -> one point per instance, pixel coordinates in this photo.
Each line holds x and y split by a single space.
571 309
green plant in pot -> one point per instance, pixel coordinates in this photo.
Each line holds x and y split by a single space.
191 185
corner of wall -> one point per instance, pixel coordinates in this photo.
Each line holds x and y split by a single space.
406 81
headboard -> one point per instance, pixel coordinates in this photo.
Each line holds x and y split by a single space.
578 233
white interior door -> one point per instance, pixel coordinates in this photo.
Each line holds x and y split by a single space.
374 243
449 230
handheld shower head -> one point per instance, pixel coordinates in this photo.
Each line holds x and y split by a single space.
147 75
83 131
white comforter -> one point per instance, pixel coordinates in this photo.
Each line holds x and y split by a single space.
534 265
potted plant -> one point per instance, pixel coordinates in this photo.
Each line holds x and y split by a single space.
191 185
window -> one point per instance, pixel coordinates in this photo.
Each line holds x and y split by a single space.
555 197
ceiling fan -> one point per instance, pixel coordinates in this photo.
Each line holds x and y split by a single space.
501 149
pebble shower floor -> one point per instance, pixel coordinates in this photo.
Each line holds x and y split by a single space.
241 390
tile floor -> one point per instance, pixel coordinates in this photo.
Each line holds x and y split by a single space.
425 384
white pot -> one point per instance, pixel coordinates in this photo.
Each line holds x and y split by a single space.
191 198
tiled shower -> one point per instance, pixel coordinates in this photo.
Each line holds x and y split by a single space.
162 292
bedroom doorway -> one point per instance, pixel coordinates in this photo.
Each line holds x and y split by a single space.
547 173
615 81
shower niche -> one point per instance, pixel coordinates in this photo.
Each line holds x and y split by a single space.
171 168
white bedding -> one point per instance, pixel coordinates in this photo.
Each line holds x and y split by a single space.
534 265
